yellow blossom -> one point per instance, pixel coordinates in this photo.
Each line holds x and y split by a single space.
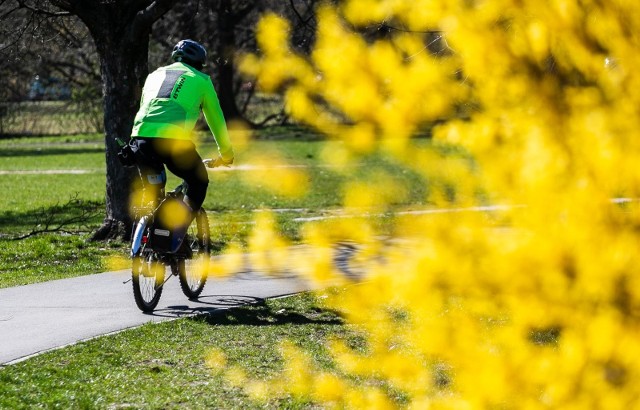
514 282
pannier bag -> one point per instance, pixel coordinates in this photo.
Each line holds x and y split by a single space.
169 226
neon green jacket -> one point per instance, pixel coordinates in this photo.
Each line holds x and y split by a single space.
172 98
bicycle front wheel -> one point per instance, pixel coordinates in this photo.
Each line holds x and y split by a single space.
193 270
148 277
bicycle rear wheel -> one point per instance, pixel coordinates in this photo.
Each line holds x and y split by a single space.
193 270
148 277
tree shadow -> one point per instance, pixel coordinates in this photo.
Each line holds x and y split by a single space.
41 151
74 214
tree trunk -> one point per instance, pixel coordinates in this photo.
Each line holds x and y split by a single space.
120 31
227 21
124 69
226 92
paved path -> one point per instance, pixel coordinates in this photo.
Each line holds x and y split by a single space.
40 317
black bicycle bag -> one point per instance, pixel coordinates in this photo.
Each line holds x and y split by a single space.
169 226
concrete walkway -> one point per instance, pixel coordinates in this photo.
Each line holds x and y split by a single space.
44 316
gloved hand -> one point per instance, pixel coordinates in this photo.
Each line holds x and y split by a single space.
214 163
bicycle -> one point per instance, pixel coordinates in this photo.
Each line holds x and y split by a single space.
150 258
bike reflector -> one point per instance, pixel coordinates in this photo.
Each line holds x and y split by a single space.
161 232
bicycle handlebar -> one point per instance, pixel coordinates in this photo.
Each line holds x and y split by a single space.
215 163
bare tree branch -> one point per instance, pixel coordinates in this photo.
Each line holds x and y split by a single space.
33 9
305 22
404 30
239 15
49 220
63 4
19 33
8 13
146 17
60 67
281 119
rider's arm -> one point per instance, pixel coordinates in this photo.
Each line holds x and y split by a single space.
215 119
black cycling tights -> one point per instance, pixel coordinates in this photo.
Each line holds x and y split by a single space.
180 157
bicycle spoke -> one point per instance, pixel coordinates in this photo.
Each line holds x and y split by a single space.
148 276
193 271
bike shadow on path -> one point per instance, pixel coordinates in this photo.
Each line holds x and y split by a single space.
236 310
206 305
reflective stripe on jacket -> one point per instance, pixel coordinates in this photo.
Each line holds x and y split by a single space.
172 98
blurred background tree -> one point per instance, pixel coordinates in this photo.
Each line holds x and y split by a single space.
51 56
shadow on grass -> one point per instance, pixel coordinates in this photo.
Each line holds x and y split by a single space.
42 151
74 214
236 310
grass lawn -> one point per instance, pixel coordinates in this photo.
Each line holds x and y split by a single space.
47 180
164 365
55 117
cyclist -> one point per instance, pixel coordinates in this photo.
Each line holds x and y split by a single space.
172 99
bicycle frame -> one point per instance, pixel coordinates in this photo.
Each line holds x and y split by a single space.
149 264
188 260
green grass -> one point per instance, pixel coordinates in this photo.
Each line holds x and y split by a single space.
29 186
34 196
163 365
54 256
34 200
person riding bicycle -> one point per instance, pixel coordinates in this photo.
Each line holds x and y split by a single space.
172 99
